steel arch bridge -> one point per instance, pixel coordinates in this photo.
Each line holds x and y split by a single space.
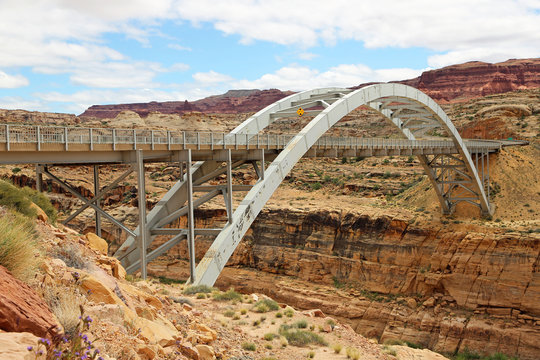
453 176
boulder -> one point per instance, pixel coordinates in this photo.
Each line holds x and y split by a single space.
14 346
206 352
97 243
22 310
98 292
189 350
40 214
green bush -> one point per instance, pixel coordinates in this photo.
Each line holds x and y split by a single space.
269 336
12 197
197 289
42 201
249 346
21 200
300 337
265 305
301 324
228 295
18 246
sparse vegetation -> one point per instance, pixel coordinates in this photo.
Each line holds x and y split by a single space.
229 295
249 346
196 289
337 348
352 353
298 337
265 305
18 246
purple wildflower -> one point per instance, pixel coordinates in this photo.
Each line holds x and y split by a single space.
30 348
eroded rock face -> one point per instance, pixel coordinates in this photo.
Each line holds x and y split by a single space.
22 310
473 286
232 102
475 78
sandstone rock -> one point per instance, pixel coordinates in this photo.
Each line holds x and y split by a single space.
208 334
407 353
147 352
411 303
22 310
143 296
189 350
429 302
40 214
206 352
97 243
314 313
13 346
98 291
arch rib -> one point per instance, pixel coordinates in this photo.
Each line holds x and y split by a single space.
176 197
228 239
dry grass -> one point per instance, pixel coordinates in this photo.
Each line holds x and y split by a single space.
18 247
65 304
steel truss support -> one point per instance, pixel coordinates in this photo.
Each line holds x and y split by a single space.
171 206
376 96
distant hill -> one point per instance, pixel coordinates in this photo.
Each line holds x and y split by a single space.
232 102
450 84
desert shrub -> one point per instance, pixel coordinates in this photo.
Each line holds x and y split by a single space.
249 346
18 246
229 313
228 295
300 337
42 201
289 312
301 324
389 350
413 345
269 336
265 305
353 353
201 296
337 348
311 354
12 197
197 289
64 303
71 255
243 311
394 342
279 314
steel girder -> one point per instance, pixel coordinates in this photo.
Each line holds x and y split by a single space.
177 196
376 96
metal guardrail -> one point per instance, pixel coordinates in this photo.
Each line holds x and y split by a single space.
40 135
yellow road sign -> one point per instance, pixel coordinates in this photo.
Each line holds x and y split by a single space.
300 111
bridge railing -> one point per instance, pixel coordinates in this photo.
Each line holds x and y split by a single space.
31 134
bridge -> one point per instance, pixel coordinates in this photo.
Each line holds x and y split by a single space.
458 169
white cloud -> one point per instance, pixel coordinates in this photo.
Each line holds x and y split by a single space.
507 28
295 77
179 47
19 103
211 77
12 81
307 56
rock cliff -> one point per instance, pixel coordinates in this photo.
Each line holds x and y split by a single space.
232 102
475 79
444 287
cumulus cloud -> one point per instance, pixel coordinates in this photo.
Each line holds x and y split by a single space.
296 77
211 77
507 28
12 81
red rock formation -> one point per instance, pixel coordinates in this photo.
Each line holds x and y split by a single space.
22 310
475 79
232 102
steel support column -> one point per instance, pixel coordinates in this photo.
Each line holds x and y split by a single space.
191 220
96 191
39 177
143 233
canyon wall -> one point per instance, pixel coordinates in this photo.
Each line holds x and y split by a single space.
446 287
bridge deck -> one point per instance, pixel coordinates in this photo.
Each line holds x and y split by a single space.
72 145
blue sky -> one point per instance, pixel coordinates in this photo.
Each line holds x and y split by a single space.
65 55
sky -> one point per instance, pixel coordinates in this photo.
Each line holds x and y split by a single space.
65 55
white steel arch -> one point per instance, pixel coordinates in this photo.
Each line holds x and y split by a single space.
412 111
